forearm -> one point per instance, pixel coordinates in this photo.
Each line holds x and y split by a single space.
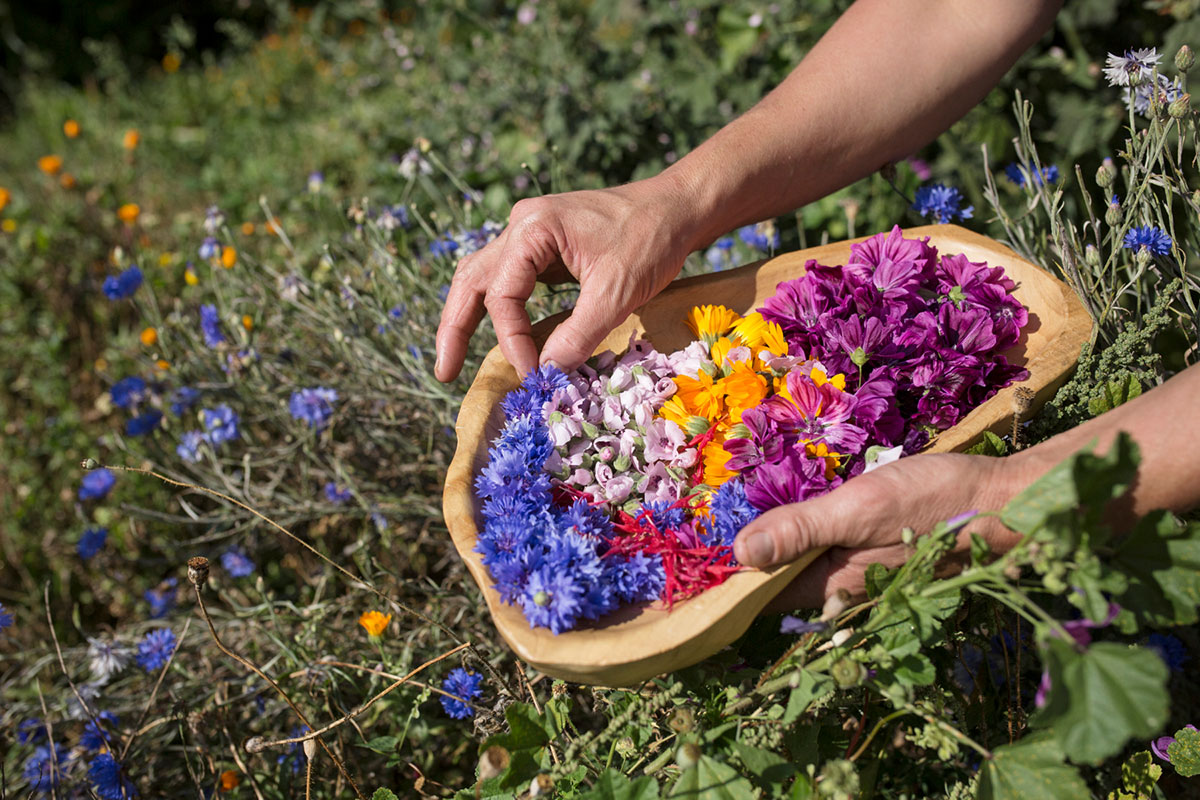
1165 424
887 78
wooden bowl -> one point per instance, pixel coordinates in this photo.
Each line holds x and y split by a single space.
638 642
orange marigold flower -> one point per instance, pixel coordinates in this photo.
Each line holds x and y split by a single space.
131 139
129 212
702 394
149 337
832 460
744 389
70 129
8 225
715 456
247 322
709 322
374 622
163 364
247 228
5 196
229 780
50 164
171 62
228 257
67 181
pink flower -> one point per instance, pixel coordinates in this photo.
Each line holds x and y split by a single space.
818 414
663 440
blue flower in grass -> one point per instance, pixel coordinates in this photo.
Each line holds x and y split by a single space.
97 484
237 563
941 203
107 779
91 542
155 649
314 406
120 287
1150 237
461 684
128 391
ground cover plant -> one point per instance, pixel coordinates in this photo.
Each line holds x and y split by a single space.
227 273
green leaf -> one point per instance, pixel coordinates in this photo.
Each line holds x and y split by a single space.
767 769
613 785
1184 752
526 729
877 578
1031 768
383 744
1161 560
989 445
1101 698
1139 774
710 779
384 794
1114 392
812 686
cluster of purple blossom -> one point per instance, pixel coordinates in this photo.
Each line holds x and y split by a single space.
220 425
919 339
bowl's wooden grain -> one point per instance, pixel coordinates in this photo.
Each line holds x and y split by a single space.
639 642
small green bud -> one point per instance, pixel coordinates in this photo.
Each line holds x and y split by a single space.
956 295
740 431
89 463
847 673
859 357
1143 256
1184 59
621 464
688 755
1115 215
1091 256
696 426
625 747
590 430
1106 174
541 599
1180 108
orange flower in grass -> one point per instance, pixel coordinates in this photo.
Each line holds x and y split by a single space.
50 164
374 622
228 257
131 139
149 337
5 196
129 213
70 129
229 780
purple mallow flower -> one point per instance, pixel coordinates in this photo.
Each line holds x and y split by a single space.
313 406
97 484
461 684
1161 745
155 649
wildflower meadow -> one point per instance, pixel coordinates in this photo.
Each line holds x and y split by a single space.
226 240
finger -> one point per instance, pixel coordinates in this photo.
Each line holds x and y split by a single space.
577 337
808 589
461 315
505 299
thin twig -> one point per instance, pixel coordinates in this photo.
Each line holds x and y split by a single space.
250 665
237 759
62 664
393 676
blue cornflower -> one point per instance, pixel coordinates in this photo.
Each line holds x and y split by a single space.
105 775
552 599
1169 648
528 436
220 424
586 520
44 767
546 380
155 649
128 391
91 542
637 578
210 325
189 446
764 236
443 246
508 472
143 423
96 484
415 352
1049 174
1118 69
31 731
94 735
941 203
119 287
731 511
379 521
161 598
294 756
6 619
795 625
316 179
210 248
337 495
237 563
664 515
503 539
397 312
461 684
443 292
314 406
1152 238
182 399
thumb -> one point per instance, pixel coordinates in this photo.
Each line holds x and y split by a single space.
785 533
577 337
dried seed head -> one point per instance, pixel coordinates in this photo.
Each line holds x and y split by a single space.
254 744
310 748
682 720
1022 400
847 673
198 571
493 762
541 786
89 463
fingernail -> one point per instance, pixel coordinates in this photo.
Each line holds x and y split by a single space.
437 363
757 549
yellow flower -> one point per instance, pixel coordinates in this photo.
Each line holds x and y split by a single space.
131 139
720 349
773 339
247 228
163 364
67 181
50 164
247 322
750 329
171 62
189 277
832 460
70 129
129 212
149 337
5 196
715 456
8 225
709 322
820 379
165 259
676 411
229 780
701 394
375 622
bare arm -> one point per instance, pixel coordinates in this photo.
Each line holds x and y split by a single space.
887 78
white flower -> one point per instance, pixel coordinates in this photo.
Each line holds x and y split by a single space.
1141 62
107 659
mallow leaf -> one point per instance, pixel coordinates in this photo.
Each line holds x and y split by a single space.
1161 560
1184 752
1031 767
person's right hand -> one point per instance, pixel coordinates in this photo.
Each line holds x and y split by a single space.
623 246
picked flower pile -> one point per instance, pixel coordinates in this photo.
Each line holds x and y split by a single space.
627 480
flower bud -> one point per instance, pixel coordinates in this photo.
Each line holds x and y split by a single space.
688 755
1091 256
1184 59
197 570
1180 108
1143 256
541 785
1115 215
89 463
848 673
696 426
859 357
310 748
835 604
1106 174
254 744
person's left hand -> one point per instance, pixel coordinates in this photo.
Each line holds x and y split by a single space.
861 522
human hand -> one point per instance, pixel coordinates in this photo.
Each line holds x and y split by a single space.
861 522
623 246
